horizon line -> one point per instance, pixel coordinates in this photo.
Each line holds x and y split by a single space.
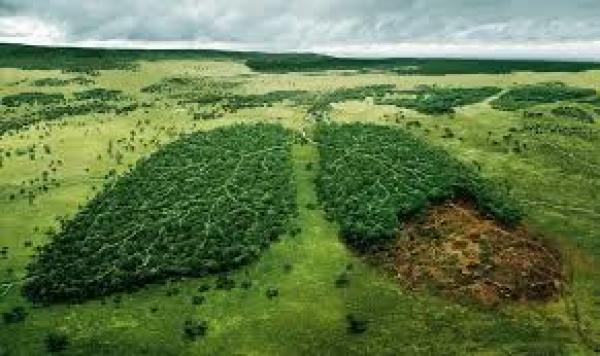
572 51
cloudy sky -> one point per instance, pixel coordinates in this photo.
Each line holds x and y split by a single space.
472 28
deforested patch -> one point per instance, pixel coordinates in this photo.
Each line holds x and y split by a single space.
454 249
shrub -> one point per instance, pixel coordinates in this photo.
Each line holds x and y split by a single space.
193 329
99 94
198 299
574 113
15 315
355 324
56 341
224 283
272 292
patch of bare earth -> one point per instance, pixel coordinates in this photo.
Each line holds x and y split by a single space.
456 250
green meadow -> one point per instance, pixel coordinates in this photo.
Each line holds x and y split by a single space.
306 292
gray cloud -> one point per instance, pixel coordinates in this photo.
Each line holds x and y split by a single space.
298 25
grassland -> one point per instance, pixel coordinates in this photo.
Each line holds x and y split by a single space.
551 164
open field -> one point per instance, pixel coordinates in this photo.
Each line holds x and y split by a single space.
310 289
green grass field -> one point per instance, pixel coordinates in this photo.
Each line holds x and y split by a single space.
52 168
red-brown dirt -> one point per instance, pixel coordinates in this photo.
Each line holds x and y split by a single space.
461 253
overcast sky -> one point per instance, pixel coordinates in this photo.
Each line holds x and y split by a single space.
479 28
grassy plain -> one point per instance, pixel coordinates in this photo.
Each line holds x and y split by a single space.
556 178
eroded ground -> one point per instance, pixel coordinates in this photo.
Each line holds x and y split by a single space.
456 250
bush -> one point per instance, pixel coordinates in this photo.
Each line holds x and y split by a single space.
15 315
99 94
224 283
198 299
193 329
355 324
56 341
272 292
574 113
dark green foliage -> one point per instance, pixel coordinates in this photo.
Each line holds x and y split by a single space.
342 280
54 106
272 292
526 96
198 299
56 341
246 284
316 102
83 108
590 100
4 250
322 103
408 66
372 177
204 204
204 288
173 291
224 282
50 82
573 112
355 324
99 94
91 60
172 85
56 112
15 315
56 82
201 90
447 133
33 98
193 329
235 102
66 59
539 127
434 100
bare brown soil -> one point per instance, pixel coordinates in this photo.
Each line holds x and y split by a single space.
459 252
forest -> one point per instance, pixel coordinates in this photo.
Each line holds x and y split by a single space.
57 82
207 203
33 98
88 60
433 100
372 177
410 66
526 96
28 108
